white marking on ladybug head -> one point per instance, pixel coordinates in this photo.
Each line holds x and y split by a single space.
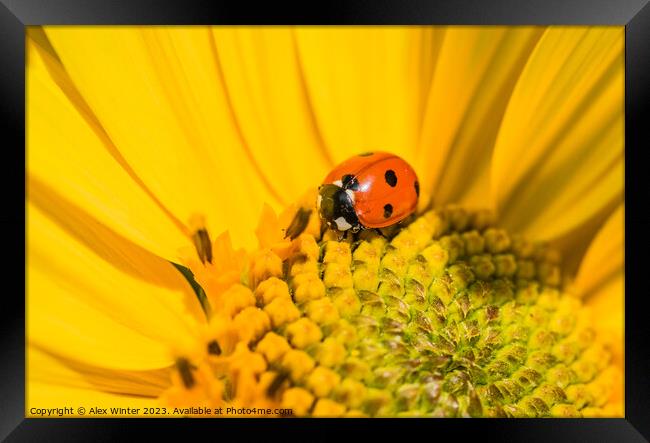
342 224
319 200
338 183
350 193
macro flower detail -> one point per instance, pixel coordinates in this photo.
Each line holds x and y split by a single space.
176 260
448 318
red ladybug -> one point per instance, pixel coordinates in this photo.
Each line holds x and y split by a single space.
372 190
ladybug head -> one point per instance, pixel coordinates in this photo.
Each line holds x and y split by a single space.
336 208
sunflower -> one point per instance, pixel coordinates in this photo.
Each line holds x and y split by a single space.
164 165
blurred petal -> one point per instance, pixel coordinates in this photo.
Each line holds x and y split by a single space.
475 72
604 258
97 298
266 88
558 160
269 231
66 150
367 85
46 368
167 113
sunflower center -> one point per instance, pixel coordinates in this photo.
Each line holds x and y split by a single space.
449 317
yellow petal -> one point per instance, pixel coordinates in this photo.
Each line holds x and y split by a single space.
225 257
367 85
475 72
266 88
68 150
159 95
604 258
46 368
268 229
558 160
225 269
95 297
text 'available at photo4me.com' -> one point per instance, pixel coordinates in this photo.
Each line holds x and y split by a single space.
83 411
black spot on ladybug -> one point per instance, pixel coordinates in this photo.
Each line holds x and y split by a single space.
417 188
391 178
388 210
350 182
366 154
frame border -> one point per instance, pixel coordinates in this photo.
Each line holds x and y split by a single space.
15 15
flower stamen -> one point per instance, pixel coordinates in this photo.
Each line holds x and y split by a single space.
214 348
203 245
185 370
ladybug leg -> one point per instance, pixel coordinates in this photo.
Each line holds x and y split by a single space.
378 231
323 228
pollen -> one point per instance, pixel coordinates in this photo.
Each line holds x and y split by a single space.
331 352
307 287
337 252
298 363
273 347
297 399
234 300
270 289
303 332
244 360
323 311
328 408
345 301
337 275
322 380
252 323
448 316
281 311
265 264
350 392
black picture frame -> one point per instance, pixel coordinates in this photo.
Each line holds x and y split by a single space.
15 15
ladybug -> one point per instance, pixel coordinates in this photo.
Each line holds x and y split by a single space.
371 190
